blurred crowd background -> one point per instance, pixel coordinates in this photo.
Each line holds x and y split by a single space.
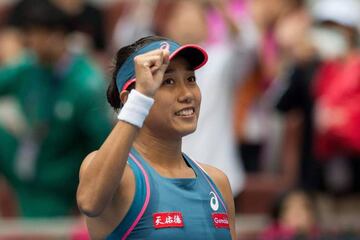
280 112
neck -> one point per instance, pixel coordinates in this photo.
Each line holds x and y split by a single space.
159 151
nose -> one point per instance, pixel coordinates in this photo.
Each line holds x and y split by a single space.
185 94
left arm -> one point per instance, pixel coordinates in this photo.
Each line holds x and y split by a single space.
222 182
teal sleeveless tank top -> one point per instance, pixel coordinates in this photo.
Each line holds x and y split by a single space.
173 208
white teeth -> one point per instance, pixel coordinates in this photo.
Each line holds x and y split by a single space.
185 112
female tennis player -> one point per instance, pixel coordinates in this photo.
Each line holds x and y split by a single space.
139 185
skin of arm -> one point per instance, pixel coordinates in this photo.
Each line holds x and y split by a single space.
102 171
222 182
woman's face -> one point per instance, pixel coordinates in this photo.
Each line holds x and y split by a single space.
297 213
187 23
177 102
48 45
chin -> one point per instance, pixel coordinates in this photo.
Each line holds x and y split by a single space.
186 131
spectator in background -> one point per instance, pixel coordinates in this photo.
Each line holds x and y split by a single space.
61 103
257 125
136 21
86 19
293 33
293 217
336 92
320 102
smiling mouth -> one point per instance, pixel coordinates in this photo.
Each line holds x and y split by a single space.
186 112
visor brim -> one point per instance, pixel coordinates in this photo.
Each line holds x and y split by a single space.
194 54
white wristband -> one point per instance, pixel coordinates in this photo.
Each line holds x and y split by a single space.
136 108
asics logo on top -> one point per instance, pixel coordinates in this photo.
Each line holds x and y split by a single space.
164 46
214 202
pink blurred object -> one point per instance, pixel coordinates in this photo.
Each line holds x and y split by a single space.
277 231
80 231
337 90
269 53
217 29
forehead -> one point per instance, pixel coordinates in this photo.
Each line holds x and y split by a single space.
179 63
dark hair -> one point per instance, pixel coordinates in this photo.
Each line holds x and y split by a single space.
41 14
121 55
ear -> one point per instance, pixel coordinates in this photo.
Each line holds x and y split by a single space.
124 96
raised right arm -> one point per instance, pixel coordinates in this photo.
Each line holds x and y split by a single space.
102 171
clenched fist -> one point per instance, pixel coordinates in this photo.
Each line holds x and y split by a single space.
149 70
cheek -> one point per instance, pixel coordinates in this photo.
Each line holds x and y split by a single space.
162 109
164 98
198 95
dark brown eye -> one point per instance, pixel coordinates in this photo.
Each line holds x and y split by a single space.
168 81
192 79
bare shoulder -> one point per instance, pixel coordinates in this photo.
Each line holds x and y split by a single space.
222 182
218 176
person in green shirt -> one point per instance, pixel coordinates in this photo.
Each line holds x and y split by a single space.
62 102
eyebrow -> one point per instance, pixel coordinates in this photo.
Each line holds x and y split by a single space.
171 70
